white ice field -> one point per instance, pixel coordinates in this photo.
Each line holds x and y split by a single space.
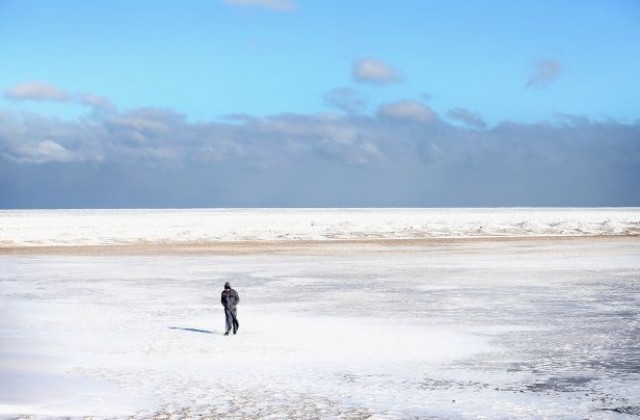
476 328
100 227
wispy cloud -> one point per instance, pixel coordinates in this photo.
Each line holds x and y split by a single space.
407 110
375 71
37 91
46 92
472 119
96 102
544 72
345 99
275 5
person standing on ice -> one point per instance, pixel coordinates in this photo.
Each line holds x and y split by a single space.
230 300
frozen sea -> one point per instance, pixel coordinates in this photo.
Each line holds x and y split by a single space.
540 325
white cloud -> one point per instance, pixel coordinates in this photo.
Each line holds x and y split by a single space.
407 110
276 5
472 119
45 151
52 151
43 91
374 71
96 102
544 72
37 91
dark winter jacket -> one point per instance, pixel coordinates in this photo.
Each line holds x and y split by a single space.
229 298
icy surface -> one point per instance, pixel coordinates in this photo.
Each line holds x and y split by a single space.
489 329
100 227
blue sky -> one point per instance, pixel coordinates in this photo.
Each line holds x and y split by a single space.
208 58
463 69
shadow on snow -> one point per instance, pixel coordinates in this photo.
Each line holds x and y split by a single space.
191 330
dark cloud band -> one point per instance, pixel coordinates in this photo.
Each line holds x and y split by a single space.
403 156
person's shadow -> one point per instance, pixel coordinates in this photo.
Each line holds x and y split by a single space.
191 330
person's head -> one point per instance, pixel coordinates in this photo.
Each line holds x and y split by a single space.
227 285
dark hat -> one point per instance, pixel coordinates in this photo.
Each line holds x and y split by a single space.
227 285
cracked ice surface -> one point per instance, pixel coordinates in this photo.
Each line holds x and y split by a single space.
500 329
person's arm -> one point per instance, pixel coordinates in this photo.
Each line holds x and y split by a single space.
237 297
222 299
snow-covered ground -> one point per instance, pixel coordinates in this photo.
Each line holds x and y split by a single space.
104 227
467 329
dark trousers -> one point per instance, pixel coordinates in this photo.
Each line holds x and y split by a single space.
231 319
